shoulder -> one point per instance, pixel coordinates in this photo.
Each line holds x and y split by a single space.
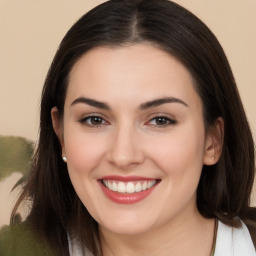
252 231
234 240
19 239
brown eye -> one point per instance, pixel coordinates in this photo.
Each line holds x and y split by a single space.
161 121
93 121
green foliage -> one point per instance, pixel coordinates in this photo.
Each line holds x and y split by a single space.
20 239
15 155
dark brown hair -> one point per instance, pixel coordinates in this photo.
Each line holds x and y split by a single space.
224 189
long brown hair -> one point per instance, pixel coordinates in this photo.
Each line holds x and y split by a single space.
224 189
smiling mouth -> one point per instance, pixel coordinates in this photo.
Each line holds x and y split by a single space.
127 190
130 187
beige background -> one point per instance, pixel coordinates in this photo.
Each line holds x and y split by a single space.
30 31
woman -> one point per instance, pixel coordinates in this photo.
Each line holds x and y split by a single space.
144 145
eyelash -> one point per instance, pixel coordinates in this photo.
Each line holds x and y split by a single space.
85 121
168 121
89 119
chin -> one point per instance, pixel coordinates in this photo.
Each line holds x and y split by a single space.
127 226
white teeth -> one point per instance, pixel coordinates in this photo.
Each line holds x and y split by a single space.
120 187
144 185
138 187
151 184
128 187
109 184
114 186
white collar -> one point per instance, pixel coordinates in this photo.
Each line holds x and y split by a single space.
75 249
233 241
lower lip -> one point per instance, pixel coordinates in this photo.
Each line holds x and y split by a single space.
126 198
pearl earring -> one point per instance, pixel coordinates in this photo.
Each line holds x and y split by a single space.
64 159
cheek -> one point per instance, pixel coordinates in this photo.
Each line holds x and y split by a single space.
84 151
180 159
181 153
84 154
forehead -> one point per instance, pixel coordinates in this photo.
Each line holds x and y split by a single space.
136 72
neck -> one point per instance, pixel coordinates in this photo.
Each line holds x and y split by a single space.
182 236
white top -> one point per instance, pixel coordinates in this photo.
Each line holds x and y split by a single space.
229 242
233 241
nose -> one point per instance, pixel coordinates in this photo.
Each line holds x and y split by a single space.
125 148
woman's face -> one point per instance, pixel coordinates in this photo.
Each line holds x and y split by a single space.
134 138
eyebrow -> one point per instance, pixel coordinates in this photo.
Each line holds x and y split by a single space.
91 102
143 106
161 101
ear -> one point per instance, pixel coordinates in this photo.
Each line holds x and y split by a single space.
58 127
214 142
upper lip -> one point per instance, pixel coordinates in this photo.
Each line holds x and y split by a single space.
126 178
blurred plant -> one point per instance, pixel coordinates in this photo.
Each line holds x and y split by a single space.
15 155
